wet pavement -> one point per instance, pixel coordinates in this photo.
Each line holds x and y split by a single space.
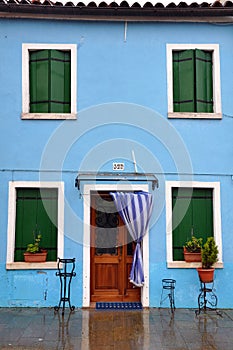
149 329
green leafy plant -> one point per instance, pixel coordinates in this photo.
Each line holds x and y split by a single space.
209 253
35 246
194 245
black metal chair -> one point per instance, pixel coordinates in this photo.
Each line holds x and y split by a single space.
168 288
65 272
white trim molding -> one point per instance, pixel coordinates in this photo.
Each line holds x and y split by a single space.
214 48
13 185
86 240
215 186
26 48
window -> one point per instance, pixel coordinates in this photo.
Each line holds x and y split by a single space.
35 208
193 81
195 210
36 213
191 208
49 81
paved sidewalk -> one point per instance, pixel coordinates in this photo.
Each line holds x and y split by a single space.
149 329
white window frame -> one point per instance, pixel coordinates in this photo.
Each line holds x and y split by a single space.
13 186
214 48
215 186
26 48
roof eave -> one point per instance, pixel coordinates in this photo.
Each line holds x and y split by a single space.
177 14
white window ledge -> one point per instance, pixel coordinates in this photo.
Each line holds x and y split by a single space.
53 116
31 266
185 265
185 115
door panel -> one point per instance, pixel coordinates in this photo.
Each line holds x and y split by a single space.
111 253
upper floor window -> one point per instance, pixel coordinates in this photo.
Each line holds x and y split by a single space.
49 81
193 81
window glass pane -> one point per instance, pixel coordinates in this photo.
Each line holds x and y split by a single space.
107 223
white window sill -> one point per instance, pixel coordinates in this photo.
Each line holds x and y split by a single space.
52 116
185 265
184 115
31 266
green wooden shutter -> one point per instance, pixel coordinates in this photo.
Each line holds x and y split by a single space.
50 81
60 81
36 211
197 220
192 81
183 229
39 81
183 81
204 81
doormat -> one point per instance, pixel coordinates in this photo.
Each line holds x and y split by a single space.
118 306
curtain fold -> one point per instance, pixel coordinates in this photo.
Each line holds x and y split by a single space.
135 210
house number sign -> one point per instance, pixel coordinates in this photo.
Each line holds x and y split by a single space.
118 166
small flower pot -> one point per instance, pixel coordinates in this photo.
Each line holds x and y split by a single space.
35 257
206 275
192 257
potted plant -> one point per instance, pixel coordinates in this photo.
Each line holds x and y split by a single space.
34 252
192 250
209 255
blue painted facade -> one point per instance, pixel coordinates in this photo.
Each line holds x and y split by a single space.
122 105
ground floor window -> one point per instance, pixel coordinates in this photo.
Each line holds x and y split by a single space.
194 207
191 209
35 208
36 213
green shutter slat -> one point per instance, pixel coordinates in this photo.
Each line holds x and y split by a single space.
197 220
183 81
36 210
204 81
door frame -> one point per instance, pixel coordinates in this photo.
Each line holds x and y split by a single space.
86 238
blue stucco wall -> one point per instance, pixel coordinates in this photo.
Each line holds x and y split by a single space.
122 105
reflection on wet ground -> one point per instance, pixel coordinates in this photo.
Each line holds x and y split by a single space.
149 329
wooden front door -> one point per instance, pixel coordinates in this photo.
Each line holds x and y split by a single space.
111 253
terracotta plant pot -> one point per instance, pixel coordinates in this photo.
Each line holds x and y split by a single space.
35 257
192 257
206 275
